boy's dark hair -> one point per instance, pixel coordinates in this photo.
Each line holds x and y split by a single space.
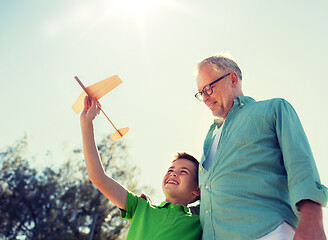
191 158
188 157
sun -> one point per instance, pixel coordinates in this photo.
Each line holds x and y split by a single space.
136 7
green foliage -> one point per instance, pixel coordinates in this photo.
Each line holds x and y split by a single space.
61 203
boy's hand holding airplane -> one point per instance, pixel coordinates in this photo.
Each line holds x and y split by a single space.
90 111
88 102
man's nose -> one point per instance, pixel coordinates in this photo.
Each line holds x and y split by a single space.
205 97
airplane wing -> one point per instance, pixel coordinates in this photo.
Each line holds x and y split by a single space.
97 91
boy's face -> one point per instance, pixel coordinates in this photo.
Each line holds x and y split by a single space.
180 181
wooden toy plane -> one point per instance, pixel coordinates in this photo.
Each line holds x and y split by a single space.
97 91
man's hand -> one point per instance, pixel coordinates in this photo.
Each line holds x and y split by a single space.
146 197
310 226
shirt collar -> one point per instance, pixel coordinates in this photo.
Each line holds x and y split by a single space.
172 206
241 101
219 121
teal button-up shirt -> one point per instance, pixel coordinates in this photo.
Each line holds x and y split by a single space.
262 168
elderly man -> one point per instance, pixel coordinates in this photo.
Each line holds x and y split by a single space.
258 177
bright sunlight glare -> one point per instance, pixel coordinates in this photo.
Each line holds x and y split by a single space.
134 6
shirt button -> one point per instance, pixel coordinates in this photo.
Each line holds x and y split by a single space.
207 187
206 211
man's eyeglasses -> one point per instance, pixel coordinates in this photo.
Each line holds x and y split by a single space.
208 90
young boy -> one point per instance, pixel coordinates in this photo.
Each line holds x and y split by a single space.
171 219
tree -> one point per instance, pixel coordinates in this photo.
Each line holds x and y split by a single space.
61 203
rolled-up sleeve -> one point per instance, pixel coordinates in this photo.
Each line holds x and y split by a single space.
303 177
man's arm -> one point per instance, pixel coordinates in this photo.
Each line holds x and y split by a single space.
310 226
114 191
306 193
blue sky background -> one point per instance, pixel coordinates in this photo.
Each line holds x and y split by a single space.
281 47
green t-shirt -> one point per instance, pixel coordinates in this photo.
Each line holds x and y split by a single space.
166 221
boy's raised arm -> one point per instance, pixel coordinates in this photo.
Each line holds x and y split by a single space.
114 191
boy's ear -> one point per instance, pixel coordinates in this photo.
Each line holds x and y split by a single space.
196 191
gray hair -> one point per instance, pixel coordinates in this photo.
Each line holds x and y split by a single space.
221 63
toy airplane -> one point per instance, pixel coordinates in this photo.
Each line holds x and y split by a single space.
97 91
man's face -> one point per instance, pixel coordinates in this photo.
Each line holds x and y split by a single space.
221 100
180 180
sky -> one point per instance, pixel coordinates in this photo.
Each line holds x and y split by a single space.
153 46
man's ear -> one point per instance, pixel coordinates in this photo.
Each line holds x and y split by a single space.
196 191
234 79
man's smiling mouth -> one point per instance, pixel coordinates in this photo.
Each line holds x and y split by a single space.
211 104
